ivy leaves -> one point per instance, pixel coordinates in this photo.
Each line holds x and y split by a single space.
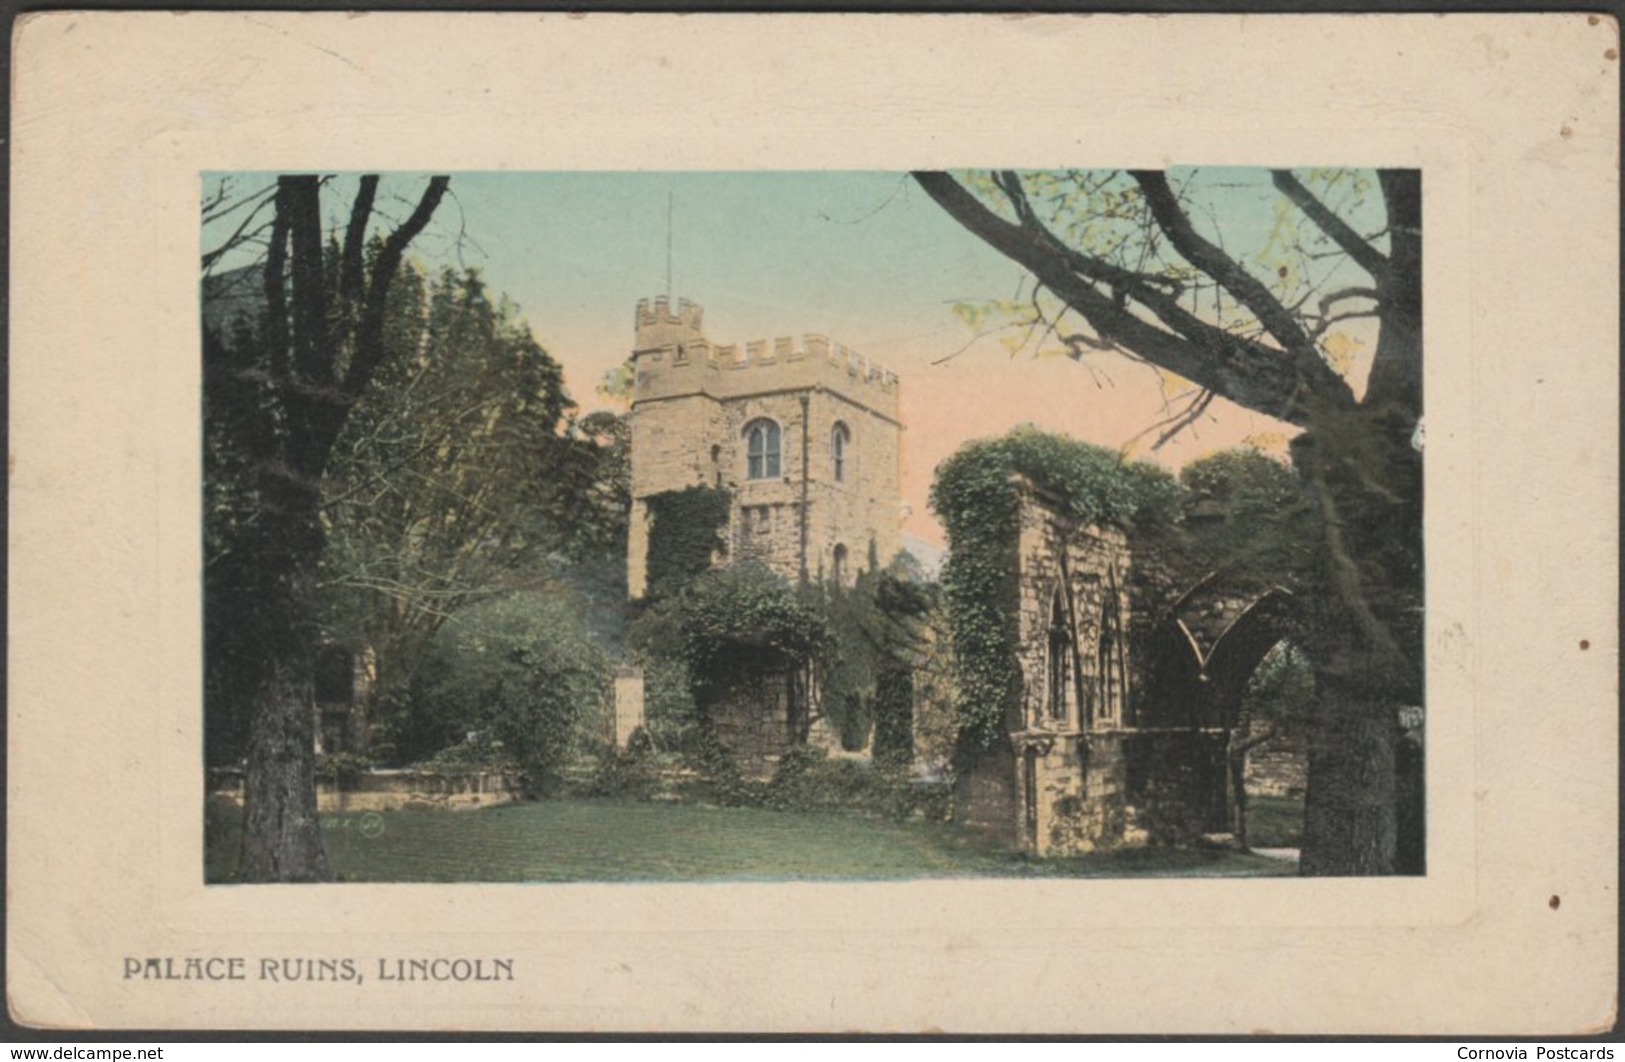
975 495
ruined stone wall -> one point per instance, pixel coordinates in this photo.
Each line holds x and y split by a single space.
1176 783
1086 773
759 719
1279 768
1086 569
1080 785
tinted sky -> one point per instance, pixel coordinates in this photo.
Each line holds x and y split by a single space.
866 258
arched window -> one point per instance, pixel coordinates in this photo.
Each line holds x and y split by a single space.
840 437
1109 664
1060 654
762 450
838 566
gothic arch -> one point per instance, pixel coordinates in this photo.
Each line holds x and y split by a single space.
1239 650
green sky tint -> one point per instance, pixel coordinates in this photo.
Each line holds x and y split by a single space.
866 258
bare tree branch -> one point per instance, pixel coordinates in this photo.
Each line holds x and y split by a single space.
370 350
1356 246
1238 369
355 236
1199 252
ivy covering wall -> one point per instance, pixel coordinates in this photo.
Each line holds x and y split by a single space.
686 529
975 495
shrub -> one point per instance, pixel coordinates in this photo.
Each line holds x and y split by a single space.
343 769
807 780
520 677
634 774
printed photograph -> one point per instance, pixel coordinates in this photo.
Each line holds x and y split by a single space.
812 526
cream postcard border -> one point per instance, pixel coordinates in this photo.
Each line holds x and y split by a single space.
1514 122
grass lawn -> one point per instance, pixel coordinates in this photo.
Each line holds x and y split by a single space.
1275 822
589 840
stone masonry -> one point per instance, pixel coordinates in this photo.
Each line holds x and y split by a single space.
830 497
1080 770
1073 609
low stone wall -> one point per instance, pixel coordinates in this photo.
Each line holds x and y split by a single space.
1072 793
397 790
1278 769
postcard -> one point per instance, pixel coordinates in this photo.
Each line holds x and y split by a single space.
657 523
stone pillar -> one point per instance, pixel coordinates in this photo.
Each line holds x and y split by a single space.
628 698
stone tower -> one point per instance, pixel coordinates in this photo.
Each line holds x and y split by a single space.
802 433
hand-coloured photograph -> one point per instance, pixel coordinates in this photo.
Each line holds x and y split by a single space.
827 526
813 524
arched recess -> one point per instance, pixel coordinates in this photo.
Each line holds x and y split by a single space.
1264 625
1171 691
838 565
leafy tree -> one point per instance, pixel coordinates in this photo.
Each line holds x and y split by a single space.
278 400
515 681
1137 263
456 478
866 671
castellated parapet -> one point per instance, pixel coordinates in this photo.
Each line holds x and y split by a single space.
658 325
827 501
673 358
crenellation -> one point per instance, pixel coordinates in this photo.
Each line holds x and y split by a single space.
693 404
658 311
672 357
658 326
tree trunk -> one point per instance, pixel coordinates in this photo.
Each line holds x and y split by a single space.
1349 824
282 838
1365 638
